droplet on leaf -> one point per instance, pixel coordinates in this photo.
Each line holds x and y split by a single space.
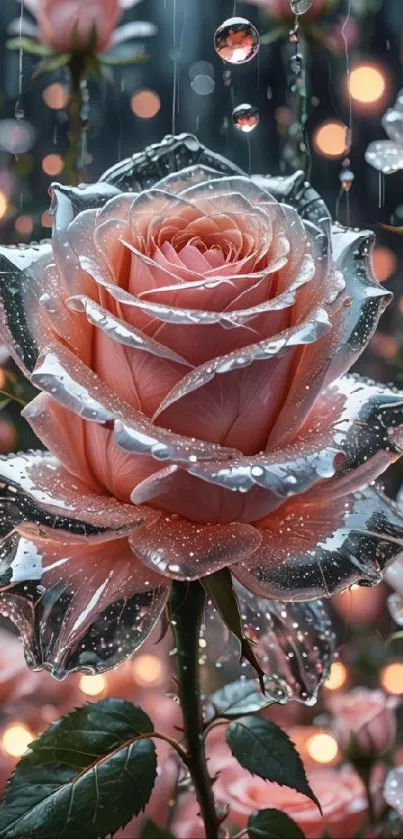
300 7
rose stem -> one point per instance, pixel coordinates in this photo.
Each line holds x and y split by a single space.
186 612
73 156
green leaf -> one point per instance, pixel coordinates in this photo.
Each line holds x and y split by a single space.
264 749
221 591
138 56
150 830
48 65
29 46
85 777
241 697
273 824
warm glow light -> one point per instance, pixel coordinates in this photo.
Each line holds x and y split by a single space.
52 164
46 219
93 685
322 747
384 263
330 139
145 103
366 84
16 739
146 670
337 676
391 678
55 96
3 204
24 225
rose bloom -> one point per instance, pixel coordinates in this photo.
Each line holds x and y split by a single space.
340 792
367 715
68 25
189 329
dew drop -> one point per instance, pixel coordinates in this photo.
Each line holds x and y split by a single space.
300 7
236 40
245 117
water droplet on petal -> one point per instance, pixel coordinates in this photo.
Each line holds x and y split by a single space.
236 40
245 117
300 7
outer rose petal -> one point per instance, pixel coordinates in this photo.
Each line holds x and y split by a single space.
78 606
298 663
333 540
40 493
187 551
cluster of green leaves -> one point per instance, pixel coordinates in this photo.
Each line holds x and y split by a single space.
95 769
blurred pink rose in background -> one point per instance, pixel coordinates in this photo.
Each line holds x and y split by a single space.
65 25
368 715
340 792
282 8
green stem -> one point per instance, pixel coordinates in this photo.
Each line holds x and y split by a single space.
186 611
73 157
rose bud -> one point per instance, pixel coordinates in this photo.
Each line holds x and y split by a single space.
70 25
364 721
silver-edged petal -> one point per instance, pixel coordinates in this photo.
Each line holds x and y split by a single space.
294 643
77 606
320 543
37 493
21 271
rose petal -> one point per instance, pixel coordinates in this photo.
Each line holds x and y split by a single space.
22 324
171 155
333 541
76 387
294 643
78 607
185 550
37 490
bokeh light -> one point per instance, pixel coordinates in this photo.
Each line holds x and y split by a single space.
46 219
16 739
55 96
24 225
391 678
384 263
337 676
330 139
145 103
146 670
322 747
367 84
52 164
93 685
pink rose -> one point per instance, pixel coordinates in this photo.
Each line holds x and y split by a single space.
340 792
281 9
368 715
68 25
189 332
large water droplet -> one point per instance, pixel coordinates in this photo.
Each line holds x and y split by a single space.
299 7
236 40
245 117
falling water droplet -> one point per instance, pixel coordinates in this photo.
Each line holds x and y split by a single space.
300 7
245 117
19 112
346 179
236 40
